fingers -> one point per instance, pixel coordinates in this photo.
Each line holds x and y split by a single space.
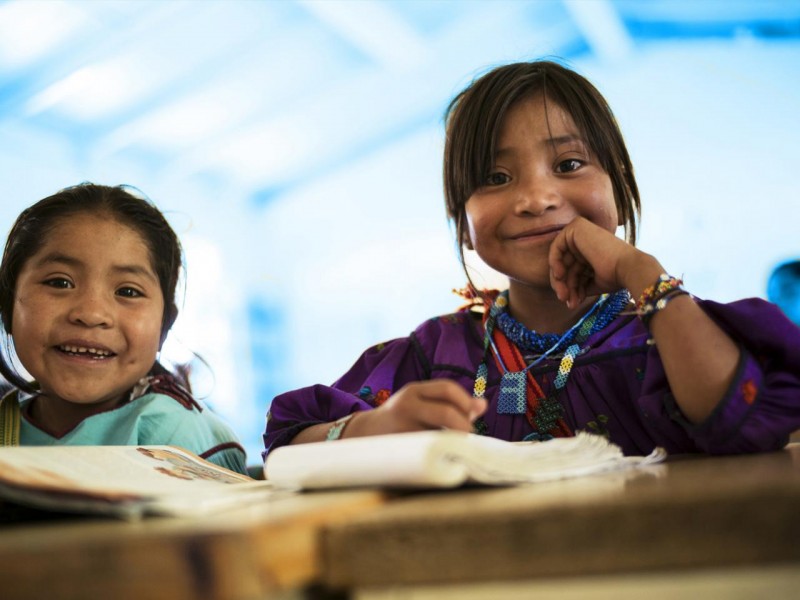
439 415
449 392
570 273
583 261
560 257
436 404
579 277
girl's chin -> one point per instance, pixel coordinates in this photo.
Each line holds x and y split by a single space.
82 401
531 285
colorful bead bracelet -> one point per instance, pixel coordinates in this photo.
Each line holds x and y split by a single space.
656 297
664 285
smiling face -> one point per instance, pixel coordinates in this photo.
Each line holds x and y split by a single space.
543 177
87 311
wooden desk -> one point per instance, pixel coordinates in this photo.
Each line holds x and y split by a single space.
691 513
259 552
690 521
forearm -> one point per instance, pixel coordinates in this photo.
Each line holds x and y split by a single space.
334 430
417 406
305 415
314 433
699 358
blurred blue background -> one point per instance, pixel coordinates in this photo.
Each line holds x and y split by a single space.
296 148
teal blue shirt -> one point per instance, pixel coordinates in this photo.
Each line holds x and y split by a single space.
150 419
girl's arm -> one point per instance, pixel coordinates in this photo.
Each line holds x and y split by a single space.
437 404
390 388
699 358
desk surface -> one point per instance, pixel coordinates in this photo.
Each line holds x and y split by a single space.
691 512
255 552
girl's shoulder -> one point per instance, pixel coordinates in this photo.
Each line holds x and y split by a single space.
461 325
448 340
166 410
752 322
758 324
10 412
443 329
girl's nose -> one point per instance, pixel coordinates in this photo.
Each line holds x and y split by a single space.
91 309
536 195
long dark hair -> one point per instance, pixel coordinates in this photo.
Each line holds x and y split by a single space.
474 117
126 205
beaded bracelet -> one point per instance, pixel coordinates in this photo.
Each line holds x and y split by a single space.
662 287
337 428
660 303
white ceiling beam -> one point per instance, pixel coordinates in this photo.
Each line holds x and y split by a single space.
372 27
602 28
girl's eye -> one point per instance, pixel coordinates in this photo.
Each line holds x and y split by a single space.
58 282
569 165
129 292
497 179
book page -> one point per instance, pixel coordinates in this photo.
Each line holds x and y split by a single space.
141 478
403 460
443 459
495 462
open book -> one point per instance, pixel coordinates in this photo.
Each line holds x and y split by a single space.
442 459
124 481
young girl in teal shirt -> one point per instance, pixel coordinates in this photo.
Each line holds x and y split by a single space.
87 297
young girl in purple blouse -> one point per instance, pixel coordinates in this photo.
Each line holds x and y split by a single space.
592 333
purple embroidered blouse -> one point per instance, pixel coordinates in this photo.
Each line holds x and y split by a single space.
617 386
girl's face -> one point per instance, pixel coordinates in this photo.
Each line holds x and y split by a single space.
544 176
87 311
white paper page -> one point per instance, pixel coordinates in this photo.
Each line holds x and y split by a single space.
115 470
401 460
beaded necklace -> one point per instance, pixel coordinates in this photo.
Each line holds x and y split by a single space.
519 391
530 341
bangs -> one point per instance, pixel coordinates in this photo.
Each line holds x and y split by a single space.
475 116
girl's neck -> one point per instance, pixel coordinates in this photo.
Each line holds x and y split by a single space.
541 310
56 415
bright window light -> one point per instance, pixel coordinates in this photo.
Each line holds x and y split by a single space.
92 92
29 30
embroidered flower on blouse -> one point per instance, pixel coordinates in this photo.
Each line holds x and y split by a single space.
749 391
382 396
376 399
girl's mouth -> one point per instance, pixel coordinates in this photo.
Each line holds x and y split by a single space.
85 352
537 235
539 232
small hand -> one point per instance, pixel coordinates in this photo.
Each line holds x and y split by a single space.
587 260
436 404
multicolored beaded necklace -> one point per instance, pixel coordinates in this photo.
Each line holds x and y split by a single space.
519 391
532 342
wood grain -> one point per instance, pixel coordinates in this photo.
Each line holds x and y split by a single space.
689 513
257 552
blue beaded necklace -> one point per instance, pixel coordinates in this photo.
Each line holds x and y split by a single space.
515 397
530 341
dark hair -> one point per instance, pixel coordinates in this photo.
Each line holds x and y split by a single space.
474 117
123 203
